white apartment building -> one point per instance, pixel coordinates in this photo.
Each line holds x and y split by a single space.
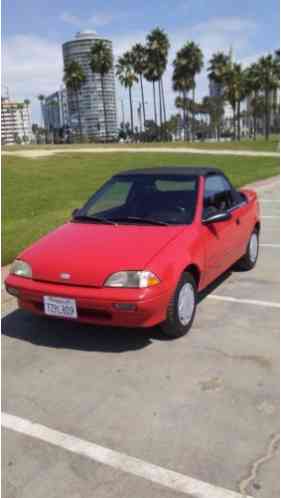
15 122
55 111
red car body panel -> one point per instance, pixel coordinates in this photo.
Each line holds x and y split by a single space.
90 253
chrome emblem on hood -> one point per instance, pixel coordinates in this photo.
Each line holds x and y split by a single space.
65 276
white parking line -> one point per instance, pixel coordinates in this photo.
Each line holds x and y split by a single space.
266 216
154 473
269 200
270 245
268 304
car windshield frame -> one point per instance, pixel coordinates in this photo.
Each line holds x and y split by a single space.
136 180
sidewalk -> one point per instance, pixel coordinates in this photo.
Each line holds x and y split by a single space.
34 154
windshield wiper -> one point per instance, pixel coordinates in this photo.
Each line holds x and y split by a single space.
138 219
93 219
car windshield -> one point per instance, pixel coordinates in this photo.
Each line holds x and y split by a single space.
143 199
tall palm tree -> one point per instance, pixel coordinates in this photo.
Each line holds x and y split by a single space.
74 79
216 74
276 106
252 88
127 77
214 107
41 99
182 84
235 91
157 49
139 58
27 104
101 61
151 75
269 78
189 61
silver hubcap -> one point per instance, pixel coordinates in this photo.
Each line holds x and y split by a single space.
186 302
253 248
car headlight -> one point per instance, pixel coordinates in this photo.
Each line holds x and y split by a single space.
130 279
21 269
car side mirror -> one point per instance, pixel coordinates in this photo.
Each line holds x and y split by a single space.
217 217
75 212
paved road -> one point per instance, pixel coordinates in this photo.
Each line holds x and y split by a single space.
34 154
204 406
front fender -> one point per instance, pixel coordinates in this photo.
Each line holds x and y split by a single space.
172 261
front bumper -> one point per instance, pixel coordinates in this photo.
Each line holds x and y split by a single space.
96 305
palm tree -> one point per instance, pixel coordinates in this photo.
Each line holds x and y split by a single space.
269 79
127 77
157 54
252 88
27 104
151 75
276 106
214 107
139 58
236 89
216 74
74 78
101 61
41 99
182 84
189 62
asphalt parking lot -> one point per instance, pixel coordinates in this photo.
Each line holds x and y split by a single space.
205 406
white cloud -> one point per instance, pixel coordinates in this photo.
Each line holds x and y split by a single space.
96 20
33 65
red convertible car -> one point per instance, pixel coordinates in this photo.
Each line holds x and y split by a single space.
140 250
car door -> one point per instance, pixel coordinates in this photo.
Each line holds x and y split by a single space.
219 238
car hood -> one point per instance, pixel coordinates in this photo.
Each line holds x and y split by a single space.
89 253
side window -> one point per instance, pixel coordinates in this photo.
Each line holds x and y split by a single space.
218 195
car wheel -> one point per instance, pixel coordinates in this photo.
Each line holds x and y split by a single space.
250 258
182 308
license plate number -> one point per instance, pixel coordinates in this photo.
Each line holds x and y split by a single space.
58 306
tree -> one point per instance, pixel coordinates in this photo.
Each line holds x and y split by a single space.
189 63
235 92
252 88
231 83
182 85
158 45
139 60
268 67
74 79
214 106
127 77
216 73
101 61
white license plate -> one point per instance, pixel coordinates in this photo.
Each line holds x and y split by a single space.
58 306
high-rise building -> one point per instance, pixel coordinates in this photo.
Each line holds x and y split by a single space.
215 89
55 111
15 122
90 95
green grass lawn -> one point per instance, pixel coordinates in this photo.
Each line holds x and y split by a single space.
40 194
272 145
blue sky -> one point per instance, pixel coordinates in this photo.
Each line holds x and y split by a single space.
34 31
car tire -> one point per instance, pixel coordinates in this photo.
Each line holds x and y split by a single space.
182 308
249 260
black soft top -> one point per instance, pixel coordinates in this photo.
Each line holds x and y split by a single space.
172 170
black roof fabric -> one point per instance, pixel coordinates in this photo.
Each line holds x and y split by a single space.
172 170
